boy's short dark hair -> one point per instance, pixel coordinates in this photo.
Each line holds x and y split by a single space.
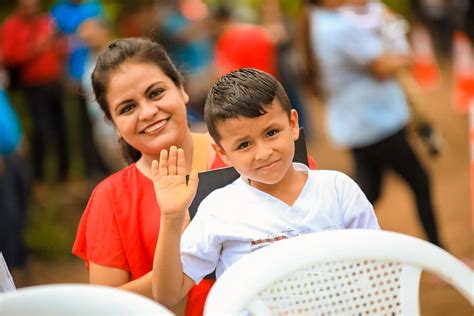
243 92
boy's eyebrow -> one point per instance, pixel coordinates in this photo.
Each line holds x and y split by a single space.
240 139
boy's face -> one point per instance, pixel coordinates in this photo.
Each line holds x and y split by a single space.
261 149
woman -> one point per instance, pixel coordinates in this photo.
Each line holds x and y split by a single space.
141 93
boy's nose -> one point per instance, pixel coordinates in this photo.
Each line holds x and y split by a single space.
263 152
148 111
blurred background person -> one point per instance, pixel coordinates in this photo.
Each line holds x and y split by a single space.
392 30
96 35
442 18
287 61
14 187
184 28
29 44
242 45
68 15
367 111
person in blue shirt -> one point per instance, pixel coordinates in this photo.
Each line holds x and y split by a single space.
367 111
14 189
68 16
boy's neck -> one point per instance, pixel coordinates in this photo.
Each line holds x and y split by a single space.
288 189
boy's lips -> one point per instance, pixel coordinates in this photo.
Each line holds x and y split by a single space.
267 165
152 128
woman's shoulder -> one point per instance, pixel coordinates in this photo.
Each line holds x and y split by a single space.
208 147
112 196
120 180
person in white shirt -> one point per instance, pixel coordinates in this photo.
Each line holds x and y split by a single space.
248 114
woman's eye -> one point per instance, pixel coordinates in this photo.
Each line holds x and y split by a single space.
126 108
243 145
155 93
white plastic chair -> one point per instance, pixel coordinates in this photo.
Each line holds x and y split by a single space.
77 299
340 272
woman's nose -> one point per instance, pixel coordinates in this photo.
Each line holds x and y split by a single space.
148 110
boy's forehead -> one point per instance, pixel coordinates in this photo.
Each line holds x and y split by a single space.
236 127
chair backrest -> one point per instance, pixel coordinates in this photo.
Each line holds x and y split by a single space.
354 272
77 299
218 178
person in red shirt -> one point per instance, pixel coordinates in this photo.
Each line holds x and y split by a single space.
241 45
140 91
29 45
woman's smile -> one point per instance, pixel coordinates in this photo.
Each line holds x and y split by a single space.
155 127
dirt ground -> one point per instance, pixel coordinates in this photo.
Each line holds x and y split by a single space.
396 212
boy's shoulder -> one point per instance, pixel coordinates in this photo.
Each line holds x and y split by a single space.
330 177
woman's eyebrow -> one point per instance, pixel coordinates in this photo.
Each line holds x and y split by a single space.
151 86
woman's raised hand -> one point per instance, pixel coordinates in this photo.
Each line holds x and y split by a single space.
172 192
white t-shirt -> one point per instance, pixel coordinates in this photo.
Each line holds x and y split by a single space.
238 219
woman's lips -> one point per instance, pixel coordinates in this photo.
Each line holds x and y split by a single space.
155 127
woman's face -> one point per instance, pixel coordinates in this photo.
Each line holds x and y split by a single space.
147 108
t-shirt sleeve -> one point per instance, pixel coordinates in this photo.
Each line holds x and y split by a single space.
98 238
360 46
357 211
200 248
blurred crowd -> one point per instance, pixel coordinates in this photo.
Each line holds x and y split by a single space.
48 52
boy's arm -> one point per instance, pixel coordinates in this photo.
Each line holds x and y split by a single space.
174 195
357 211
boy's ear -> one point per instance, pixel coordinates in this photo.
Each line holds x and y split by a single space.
221 152
295 127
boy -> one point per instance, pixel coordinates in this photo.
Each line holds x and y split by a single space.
249 116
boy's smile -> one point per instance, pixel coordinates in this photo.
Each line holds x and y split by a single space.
261 149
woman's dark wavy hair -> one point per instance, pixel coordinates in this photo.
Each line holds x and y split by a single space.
119 52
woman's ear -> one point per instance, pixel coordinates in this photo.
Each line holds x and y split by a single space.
185 95
221 152
295 127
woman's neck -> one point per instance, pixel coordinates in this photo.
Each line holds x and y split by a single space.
144 163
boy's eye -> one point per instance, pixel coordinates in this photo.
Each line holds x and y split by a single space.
272 132
126 108
243 145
